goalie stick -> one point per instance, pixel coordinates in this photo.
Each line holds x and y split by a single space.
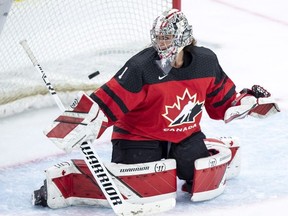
97 168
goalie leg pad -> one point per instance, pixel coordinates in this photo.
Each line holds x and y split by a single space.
209 175
67 186
71 183
234 165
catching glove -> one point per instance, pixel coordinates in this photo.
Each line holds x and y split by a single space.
256 102
84 121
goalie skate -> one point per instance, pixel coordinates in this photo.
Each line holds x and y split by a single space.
39 197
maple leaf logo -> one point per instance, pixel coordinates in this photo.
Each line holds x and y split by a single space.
184 110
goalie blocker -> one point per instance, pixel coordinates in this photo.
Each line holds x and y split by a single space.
83 121
71 183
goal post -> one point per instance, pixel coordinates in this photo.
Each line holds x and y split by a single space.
71 39
176 4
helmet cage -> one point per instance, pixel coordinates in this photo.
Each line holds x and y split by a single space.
172 22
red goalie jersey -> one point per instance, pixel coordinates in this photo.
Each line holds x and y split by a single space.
144 102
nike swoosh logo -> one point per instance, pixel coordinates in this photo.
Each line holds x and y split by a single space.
160 78
120 76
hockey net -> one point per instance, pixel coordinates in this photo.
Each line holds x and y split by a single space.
70 39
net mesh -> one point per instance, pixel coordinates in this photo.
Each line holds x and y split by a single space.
70 39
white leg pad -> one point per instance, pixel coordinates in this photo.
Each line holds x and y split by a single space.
71 183
234 166
60 194
210 173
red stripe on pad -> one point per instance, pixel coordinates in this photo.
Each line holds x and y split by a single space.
69 119
84 104
61 130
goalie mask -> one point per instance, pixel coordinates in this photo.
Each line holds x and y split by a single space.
170 34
